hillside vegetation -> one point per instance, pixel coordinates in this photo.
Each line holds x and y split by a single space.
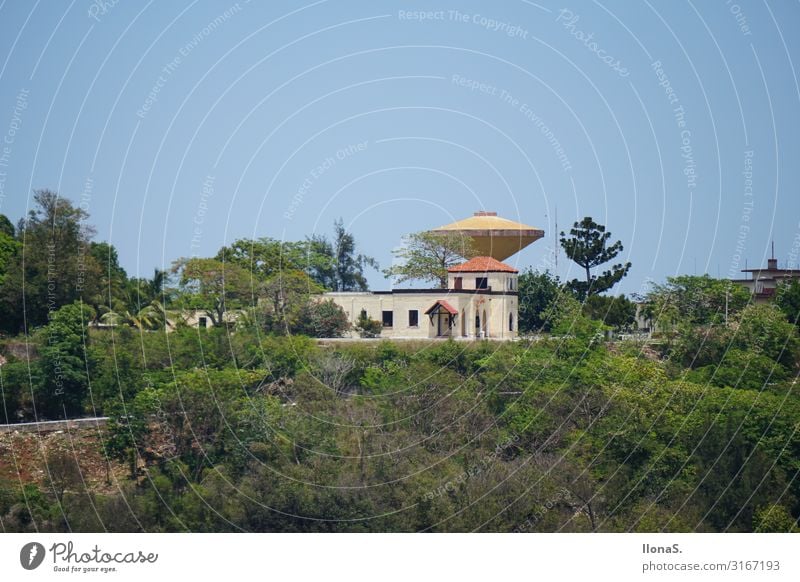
218 430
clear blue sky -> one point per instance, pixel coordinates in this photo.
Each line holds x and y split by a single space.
183 126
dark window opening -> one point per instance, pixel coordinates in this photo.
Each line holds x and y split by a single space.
458 283
413 318
510 322
388 318
202 322
481 283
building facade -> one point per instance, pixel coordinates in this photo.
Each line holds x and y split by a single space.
480 301
764 282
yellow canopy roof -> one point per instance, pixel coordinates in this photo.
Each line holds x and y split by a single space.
494 236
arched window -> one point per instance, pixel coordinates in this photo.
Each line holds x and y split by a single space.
510 322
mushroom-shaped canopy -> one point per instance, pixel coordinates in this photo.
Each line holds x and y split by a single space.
494 236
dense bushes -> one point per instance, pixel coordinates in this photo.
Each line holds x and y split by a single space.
277 434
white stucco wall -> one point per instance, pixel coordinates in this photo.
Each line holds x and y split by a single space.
494 310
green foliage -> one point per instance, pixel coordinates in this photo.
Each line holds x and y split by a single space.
65 363
322 319
588 246
367 327
569 319
9 248
16 382
775 519
266 257
538 292
698 300
216 286
788 299
348 266
6 227
763 329
758 348
332 439
285 300
740 369
52 269
617 312
332 265
426 256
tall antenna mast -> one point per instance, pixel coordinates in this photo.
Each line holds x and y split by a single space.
555 239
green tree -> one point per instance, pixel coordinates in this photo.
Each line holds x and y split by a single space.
112 280
569 320
788 299
54 266
149 317
426 256
618 312
9 247
763 329
65 362
774 519
367 327
266 257
322 319
285 297
698 300
6 227
538 292
588 246
348 266
215 286
334 265
320 263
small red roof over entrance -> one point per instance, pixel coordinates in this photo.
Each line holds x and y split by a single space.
445 305
482 265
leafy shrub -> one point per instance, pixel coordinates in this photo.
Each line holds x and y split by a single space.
367 327
322 319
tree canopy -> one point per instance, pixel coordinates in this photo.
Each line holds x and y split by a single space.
334 265
426 256
697 299
588 246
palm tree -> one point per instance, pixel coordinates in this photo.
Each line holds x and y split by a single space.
150 317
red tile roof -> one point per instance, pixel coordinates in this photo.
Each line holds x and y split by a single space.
445 305
482 265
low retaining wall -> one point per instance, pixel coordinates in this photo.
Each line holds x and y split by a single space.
51 425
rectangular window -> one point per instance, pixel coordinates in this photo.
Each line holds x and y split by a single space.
388 318
458 283
413 318
202 322
481 283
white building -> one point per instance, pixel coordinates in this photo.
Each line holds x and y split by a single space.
481 301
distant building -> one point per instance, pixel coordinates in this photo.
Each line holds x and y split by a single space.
480 302
763 282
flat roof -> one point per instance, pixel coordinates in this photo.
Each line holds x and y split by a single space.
425 291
